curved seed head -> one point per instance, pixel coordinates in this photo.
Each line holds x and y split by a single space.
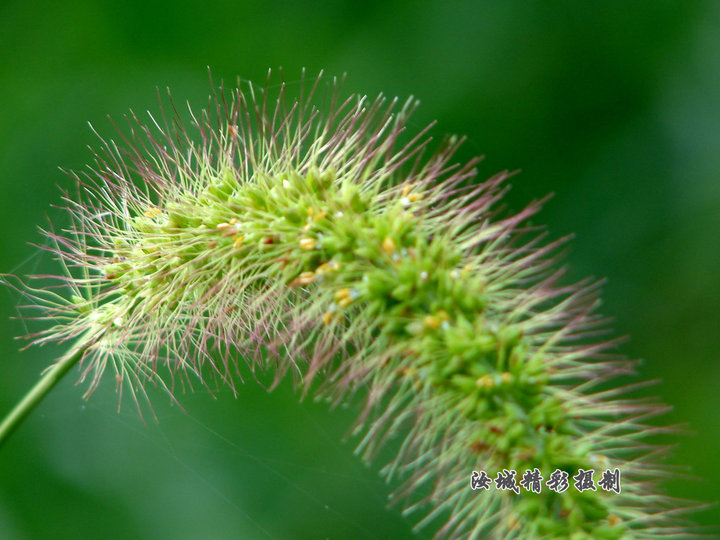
325 235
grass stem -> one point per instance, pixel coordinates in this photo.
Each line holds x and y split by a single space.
46 383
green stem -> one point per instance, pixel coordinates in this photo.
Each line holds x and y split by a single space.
46 383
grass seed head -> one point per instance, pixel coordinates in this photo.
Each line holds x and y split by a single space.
322 228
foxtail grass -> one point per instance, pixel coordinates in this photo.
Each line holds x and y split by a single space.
319 237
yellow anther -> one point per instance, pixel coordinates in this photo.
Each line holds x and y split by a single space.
238 241
443 315
486 381
345 302
304 279
491 381
613 520
330 266
307 243
431 321
406 189
388 245
152 212
310 211
233 221
342 293
307 227
414 197
328 317
320 215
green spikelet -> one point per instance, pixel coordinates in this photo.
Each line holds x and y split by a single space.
321 242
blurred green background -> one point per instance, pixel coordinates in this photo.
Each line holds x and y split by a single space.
614 106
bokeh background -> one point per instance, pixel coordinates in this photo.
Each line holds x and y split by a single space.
613 106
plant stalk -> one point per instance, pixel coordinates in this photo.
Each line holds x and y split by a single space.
36 394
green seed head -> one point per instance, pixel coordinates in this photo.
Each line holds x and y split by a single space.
325 242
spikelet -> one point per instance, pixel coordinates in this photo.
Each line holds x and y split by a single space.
328 243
